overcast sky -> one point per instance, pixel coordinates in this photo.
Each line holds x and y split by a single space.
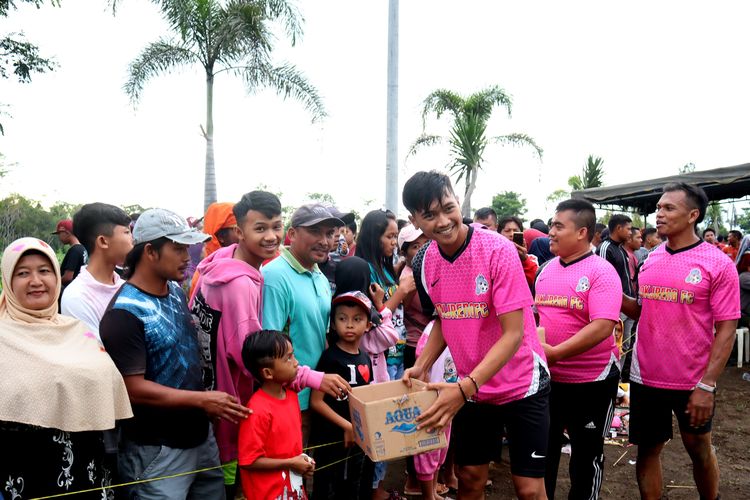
648 86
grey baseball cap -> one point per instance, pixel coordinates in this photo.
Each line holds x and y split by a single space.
158 223
312 214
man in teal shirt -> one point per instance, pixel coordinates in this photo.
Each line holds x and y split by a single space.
296 294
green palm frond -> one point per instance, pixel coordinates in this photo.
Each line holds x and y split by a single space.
243 32
287 81
422 141
468 141
519 140
441 101
482 102
286 13
159 57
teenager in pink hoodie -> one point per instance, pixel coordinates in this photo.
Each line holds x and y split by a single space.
227 304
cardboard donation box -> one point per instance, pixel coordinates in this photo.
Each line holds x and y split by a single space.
383 416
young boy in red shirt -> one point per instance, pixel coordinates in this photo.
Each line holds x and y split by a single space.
270 441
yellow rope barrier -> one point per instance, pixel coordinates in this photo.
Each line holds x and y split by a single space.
172 476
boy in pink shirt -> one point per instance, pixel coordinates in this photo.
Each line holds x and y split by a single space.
687 289
227 306
578 296
474 282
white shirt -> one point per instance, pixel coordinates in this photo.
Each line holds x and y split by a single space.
87 299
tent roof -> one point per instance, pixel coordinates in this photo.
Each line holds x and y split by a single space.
719 184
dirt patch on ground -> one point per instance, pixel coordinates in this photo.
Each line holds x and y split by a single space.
731 437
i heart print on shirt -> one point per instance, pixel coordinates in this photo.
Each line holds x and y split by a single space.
364 370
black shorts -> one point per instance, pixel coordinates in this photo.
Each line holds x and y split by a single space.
478 429
651 414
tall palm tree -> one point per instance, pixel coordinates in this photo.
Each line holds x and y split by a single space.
468 137
591 176
232 37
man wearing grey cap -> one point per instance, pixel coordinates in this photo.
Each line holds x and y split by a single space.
296 294
149 334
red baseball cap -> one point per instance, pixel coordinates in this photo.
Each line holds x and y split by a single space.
64 225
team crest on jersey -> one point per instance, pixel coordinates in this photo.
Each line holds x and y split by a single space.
482 285
583 284
694 277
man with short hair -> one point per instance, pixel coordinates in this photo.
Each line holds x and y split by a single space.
687 290
338 249
733 244
472 279
578 296
150 335
709 236
296 294
651 240
612 249
75 257
228 305
487 217
597 239
104 231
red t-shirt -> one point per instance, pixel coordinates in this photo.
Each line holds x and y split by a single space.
273 430
731 251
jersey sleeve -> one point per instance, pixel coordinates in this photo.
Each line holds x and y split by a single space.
510 290
124 339
725 293
417 265
605 295
254 433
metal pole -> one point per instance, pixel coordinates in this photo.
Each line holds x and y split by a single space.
391 141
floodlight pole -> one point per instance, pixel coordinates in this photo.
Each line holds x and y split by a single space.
391 141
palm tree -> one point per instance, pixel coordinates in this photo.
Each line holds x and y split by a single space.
468 136
231 37
590 177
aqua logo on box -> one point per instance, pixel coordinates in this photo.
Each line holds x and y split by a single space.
404 418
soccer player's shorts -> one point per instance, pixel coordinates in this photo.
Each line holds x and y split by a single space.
651 414
478 430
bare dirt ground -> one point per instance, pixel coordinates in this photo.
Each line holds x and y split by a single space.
731 438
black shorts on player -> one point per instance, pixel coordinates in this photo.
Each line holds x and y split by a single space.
478 429
586 411
651 414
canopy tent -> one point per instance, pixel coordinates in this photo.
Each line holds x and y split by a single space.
719 184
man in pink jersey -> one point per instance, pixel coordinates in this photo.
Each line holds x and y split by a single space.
686 289
578 297
473 281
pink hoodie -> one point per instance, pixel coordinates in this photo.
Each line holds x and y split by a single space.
376 341
228 304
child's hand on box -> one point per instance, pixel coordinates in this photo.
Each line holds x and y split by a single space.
302 465
349 436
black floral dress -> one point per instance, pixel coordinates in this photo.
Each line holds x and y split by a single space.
37 462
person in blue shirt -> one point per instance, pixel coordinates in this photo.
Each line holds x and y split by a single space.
297 296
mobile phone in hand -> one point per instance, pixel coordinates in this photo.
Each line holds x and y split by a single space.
518 238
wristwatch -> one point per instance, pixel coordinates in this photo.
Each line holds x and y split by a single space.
706 387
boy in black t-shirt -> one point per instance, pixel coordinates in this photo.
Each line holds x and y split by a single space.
351 476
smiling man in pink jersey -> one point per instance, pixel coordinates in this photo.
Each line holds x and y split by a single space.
473 281
578 297
686 288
